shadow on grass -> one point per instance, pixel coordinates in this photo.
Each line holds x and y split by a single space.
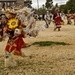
49 43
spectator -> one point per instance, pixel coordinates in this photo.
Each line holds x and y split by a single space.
47 19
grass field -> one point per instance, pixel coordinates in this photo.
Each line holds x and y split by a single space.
55 55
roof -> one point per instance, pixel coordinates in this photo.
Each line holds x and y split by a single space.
7 0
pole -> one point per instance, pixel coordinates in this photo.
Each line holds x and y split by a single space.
38 4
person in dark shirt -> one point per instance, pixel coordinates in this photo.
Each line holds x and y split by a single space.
3 21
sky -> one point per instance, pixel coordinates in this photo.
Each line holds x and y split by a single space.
60 2
41 2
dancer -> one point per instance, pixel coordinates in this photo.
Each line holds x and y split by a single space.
62 15
16 35
47 19
57 20
69 17
74 18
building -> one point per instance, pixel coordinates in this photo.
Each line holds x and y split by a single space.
20 2
8 3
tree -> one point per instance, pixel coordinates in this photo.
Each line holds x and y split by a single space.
70 5
28 3
42 11
54 8
49 4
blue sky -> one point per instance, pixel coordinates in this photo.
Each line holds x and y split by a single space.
41 2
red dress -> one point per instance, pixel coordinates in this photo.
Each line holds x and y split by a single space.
15 44
57 21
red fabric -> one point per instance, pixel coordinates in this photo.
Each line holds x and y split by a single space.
19 42
10 49
68 16
57 20
73 16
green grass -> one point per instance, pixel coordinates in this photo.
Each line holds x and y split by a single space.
49 43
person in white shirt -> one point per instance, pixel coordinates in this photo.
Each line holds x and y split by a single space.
47 19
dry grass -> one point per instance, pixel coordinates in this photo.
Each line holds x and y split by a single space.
45 60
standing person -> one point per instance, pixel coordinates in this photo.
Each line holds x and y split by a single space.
47 19
62 17
15 42
74 18
16 35
57 20
69 17
3 22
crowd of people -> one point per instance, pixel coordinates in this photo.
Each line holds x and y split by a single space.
58 17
